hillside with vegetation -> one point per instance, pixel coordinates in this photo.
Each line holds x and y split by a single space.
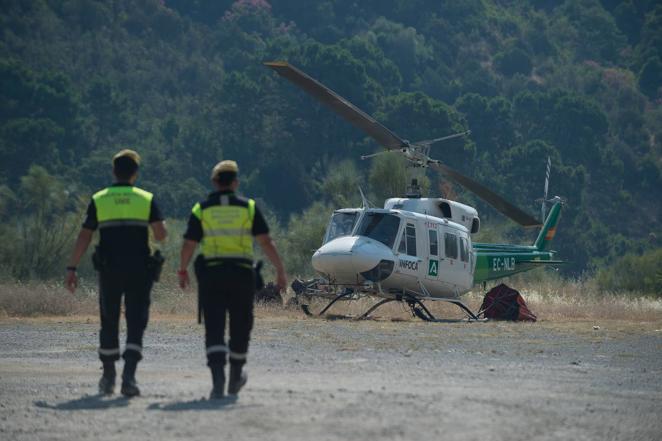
182 82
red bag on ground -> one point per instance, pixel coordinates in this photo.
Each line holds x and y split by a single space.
504 303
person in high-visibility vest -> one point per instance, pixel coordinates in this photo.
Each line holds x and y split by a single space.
225 225
122 213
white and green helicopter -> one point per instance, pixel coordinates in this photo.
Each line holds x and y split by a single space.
414 249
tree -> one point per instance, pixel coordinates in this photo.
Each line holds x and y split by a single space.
403 45
650 77
513 61
41 137
109 108
389 177
341 185
592 30
39 243
304 235
490 121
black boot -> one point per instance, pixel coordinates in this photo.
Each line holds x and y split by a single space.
129 385
107 381
237 379
218 380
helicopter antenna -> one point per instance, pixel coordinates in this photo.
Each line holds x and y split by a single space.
364 200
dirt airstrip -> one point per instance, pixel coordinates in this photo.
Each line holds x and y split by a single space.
344 380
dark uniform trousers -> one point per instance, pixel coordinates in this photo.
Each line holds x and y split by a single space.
135 285
227 288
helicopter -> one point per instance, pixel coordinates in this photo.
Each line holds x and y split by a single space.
414 249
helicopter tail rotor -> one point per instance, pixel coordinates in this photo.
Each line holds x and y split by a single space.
543 209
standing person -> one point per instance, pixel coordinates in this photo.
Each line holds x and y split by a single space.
122 213
225 224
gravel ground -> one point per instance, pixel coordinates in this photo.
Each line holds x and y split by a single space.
342 379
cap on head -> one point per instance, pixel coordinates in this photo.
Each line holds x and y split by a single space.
126 163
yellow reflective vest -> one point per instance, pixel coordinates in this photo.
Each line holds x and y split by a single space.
122 206
227 230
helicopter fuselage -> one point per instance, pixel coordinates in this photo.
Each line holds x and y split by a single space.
391 251
388 252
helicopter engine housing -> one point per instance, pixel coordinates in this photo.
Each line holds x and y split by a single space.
438 207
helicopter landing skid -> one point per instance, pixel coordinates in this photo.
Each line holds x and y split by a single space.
306 308
419 310
374 307
424 314
417 307
306 290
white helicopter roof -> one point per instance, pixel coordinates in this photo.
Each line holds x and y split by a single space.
409 215
441 208
427 217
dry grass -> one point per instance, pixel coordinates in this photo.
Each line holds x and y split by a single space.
51 299
30 299
568 299
550 300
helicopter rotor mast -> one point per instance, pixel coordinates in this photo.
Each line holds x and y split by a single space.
416 153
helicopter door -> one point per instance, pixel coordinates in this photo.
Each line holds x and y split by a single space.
432 268
450 267
466 262
408 261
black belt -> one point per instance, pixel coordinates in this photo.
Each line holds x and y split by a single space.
230 260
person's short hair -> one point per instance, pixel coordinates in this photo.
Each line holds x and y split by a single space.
226 178
225 172
125 164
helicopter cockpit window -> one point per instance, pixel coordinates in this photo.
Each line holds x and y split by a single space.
450 244
341 224
382 227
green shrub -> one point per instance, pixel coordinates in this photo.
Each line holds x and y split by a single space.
634 273
37 237
303 236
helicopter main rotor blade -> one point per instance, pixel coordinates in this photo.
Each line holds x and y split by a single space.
340 105
498 202
390 140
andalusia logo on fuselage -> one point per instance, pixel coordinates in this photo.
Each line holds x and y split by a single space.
433 268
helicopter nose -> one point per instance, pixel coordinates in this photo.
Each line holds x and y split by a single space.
347 259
